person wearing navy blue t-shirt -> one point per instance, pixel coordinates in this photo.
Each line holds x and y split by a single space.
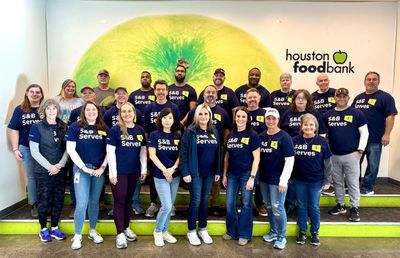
140 98
24 116
240 169
86 145
200 164
87 94
126 153
254 80
311 173
281 99
164 152
276 165
181 93
348 136
324 97
379 108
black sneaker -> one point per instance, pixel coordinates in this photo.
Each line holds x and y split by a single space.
315 239
338 209
354 214
301 239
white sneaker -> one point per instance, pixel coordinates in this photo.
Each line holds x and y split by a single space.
76 242
130 235
193 238
95 236
158 238
121 241
203 234
168 237
151 211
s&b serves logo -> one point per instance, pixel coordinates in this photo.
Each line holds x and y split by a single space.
314 62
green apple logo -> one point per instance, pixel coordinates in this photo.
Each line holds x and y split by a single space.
155 43
339 57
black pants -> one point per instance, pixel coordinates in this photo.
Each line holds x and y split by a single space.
50 194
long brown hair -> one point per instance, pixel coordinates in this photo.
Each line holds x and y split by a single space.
121 122
26 104
99 124
310 104
63 86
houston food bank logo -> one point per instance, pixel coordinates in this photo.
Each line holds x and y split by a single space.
314 62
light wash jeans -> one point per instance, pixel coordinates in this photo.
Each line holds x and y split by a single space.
167 193
27 162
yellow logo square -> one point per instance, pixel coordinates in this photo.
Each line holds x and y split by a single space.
152 98
372 102
289 99
217 116
260 119
213 136
224 96
316 147
331 100
245 140
140 137
185 93
348 119
274 145
102 133
176 142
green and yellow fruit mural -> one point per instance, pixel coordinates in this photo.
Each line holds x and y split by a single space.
155 43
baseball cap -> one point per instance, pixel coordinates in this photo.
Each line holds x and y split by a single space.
120 88
342 91
272 112
103 71
219 70
86 87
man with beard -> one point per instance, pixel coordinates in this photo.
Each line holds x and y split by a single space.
226 98
181 93
145 95
254 79
103 90
324 97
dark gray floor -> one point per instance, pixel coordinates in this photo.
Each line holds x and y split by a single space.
30 246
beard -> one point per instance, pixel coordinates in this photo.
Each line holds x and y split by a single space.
210 100
146 86
180 79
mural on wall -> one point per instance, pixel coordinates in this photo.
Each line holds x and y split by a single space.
155 43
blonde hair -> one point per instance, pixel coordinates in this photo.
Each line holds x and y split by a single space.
122 124
309 117
196 116
63 86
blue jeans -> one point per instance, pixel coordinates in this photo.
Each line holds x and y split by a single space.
27 162
199 189
373 152
167 193
275 204
87 194
136 194
308 195
239 226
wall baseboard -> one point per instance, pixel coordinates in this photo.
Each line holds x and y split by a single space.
12 208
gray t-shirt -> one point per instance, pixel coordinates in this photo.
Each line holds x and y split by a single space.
102 94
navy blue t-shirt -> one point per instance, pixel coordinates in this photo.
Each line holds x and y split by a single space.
226 99
167 150
274 149
324 101
241 95
151 114
309 158
376 108
220 119
290 122
90 143
22 123
111 117
258 120
207 147
342 127
34 134
182 96
240 146
127 148
281 100
140 99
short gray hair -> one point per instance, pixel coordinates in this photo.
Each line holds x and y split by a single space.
47 103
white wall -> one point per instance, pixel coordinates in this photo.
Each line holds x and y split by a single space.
23 61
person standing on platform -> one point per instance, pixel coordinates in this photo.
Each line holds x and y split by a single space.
281 99
253 83
103 90
324 97
24 116
68 99
379 108
348 137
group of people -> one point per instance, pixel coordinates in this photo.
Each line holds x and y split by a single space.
286 146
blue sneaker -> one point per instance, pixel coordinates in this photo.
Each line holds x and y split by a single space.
270 237
280 243
138 210
44 235
57 234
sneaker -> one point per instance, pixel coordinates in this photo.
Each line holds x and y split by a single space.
151 211
315 239
166 236
34 211
354 214
120 242
138 210
301 239
102 206
111 213
158 238
95 237
227 237
243 241
44 235
203 235
280 243
76 242
366 193
262 211
270 237
57 234
173 212
130 235
338 209
71 213
328 192
193 238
